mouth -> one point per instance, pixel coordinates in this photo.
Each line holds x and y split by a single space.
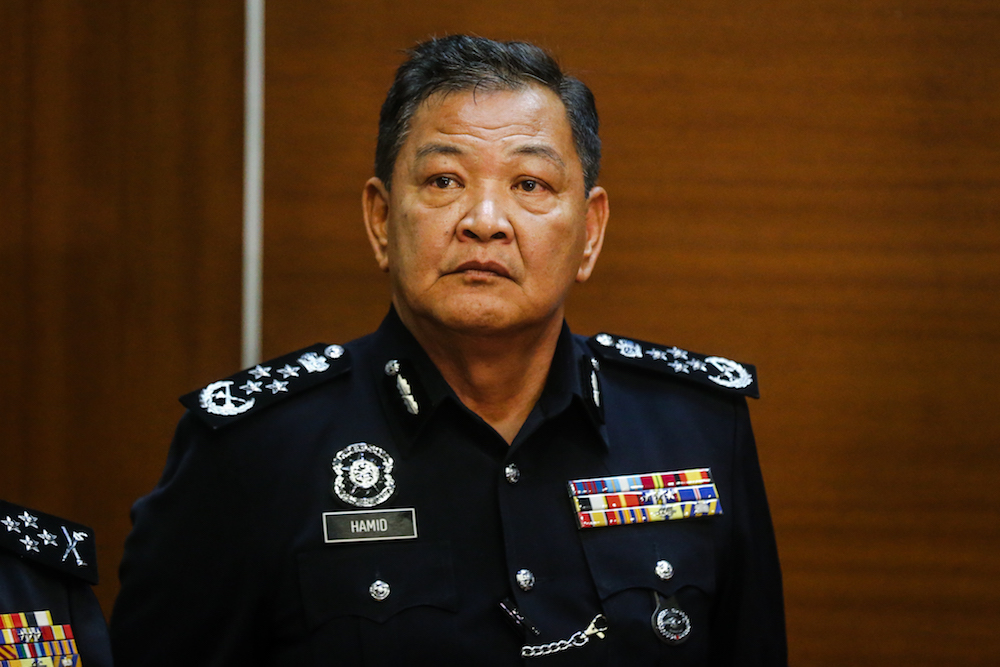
482 269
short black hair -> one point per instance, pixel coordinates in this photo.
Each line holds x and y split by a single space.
463 62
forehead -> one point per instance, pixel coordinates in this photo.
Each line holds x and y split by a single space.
497 119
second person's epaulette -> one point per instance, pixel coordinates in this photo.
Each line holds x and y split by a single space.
61 545
250 391
717 372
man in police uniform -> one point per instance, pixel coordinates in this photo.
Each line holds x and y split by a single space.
49 615
471 484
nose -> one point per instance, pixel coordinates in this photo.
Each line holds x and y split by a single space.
486 220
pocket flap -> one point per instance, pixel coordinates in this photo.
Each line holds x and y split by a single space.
626 557
337 581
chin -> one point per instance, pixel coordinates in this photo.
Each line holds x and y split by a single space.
480 316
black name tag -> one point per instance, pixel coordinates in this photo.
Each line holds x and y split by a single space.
370 525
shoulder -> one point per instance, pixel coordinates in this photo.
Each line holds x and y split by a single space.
255 389
60 545
671 362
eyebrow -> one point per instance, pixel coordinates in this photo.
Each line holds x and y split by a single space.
539 150
437 149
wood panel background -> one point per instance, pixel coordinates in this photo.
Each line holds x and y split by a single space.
120 231
810 186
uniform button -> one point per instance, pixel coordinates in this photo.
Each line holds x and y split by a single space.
664 570
525 579
512 473
379 590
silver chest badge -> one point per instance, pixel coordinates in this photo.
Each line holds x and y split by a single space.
363 475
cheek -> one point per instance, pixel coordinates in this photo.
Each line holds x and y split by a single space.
419 243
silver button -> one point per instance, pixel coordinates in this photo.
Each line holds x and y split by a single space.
664 570
392 367
525 579
512 473
379 590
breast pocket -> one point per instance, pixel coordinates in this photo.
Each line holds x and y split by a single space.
374 600
642 569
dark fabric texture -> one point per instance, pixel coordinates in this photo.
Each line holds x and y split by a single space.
227 562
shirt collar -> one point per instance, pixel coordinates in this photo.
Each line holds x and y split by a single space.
412 389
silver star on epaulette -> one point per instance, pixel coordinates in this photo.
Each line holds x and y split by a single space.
251 387
48 539
289 371
12 526
276 386
28 520
29 544
259 372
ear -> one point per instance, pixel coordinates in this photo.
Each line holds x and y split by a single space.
375 206
597 221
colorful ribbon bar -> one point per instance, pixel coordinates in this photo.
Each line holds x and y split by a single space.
25 619
38 650
609 501
29 635
626 483
58 661
659 496
648 514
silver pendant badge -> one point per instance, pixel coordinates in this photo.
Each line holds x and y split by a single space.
363 475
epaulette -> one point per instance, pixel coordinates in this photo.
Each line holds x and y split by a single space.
62 545
711 371
254 389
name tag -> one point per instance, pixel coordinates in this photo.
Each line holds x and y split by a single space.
370 525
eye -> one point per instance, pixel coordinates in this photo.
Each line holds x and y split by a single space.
529 185
443 182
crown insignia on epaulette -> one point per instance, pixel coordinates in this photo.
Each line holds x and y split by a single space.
250 391
62 545
707 370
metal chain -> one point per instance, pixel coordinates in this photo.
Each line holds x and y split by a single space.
579 639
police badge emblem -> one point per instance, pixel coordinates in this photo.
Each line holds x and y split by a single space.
363 475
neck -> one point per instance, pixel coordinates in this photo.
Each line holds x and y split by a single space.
499 376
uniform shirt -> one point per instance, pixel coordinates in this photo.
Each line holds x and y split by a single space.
227 562
45 586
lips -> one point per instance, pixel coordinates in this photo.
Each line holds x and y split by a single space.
483 267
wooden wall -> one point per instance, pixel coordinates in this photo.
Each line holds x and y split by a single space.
120 231
810 186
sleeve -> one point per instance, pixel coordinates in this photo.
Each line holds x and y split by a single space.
750 615
188 591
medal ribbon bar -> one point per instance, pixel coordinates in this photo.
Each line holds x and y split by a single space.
30 635
25 619
649 514
610 501
626 483
38 650
47 661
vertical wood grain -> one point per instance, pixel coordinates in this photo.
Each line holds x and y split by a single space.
120 191
813 187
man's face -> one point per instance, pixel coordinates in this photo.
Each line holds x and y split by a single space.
487 225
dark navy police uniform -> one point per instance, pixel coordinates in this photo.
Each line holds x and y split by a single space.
340 506
48 610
